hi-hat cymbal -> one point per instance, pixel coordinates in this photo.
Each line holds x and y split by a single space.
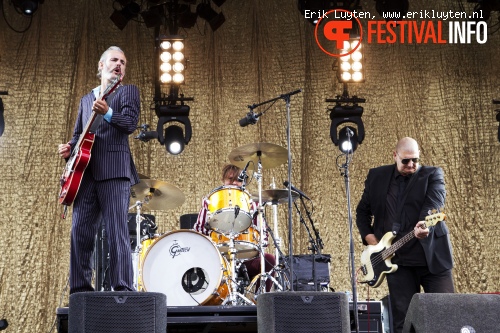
275 196
156 195
271 155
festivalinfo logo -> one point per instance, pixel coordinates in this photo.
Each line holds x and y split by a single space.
336 26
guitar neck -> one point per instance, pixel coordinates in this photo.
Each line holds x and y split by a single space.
109 89
396 246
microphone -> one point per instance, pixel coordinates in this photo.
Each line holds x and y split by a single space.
250 118
302 194
243 173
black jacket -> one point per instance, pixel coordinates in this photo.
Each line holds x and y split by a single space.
425 191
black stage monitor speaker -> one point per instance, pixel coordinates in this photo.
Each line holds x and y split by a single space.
450 313
303 311
117 312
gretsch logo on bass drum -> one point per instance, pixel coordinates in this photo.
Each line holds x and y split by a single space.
176 249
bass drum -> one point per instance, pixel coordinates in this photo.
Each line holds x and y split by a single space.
187 267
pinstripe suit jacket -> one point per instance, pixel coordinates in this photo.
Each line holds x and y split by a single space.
110 155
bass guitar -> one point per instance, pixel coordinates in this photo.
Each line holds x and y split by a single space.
376 259
80 156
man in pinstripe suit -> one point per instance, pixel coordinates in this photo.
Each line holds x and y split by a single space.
105 187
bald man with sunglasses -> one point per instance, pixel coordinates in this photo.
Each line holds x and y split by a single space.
397 198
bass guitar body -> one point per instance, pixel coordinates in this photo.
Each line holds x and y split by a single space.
374 264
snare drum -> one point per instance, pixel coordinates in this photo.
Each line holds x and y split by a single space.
229 209
187 267
246 243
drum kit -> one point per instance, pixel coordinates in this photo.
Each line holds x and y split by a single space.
193 269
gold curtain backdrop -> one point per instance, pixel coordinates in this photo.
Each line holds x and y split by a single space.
440 94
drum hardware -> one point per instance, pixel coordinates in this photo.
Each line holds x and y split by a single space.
235 297
278 275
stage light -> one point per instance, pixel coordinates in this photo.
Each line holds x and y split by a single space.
392 10
342 114
206 12
153 16
174 139
186 18
27 7
129 11
351 66
172 60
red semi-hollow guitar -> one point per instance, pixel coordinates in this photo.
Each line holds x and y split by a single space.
80 156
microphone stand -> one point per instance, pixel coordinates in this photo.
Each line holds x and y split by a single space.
313 247
286 98
345 173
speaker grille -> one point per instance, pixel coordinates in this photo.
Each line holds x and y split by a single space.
117 312
123 318
308 314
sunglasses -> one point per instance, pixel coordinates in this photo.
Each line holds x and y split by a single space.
405 161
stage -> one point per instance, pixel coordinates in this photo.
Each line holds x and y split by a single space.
238 319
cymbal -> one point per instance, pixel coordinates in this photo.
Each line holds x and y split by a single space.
275 195
156 195
271 155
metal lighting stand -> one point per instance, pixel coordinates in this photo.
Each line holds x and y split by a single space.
345 172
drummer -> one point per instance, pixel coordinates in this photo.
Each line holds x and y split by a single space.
230 174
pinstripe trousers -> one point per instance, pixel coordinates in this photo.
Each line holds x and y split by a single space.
109 199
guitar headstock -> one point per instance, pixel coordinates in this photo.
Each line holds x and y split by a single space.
434 218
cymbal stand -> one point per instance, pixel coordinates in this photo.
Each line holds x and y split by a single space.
276 238
260 220
138 246
234 294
